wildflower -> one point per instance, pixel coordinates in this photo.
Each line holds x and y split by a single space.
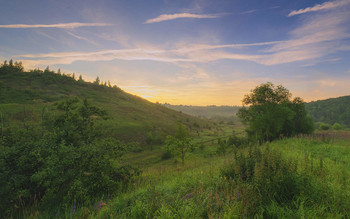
188 196
99 205
74 208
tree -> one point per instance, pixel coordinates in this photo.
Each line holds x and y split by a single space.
80 78
97 80
11 67
76 124
47 70
180 143
272 114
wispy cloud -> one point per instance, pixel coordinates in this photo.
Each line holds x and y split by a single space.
81 38
320 7
318 36
250 11
192 53
61 25
166 17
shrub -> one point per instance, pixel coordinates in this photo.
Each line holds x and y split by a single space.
337 126
324 126
63 164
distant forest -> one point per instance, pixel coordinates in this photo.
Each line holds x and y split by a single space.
329 111
334 110
210 112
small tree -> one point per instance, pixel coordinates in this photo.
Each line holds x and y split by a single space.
97 80
180 143
80 78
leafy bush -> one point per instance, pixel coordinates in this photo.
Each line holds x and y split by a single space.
64 163
337 126
324 126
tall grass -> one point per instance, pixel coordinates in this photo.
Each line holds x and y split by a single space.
290 178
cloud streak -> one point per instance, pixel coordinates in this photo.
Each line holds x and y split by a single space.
318 36
167 17
320 7
192 53
61 25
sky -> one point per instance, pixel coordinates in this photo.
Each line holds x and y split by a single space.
191 52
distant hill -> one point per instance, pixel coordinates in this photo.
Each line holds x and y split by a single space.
331 110
206 111
221 114
25 96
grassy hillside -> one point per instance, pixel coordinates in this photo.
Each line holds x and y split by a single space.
63 160
303 177
26 96
331 110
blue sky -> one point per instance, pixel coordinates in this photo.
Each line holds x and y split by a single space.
196 52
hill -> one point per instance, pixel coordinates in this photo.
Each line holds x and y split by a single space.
331 110
206 111
26 96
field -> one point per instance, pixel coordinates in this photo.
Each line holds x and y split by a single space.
301 177
74 149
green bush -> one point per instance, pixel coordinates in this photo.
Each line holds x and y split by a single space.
324 126
337 126
62 164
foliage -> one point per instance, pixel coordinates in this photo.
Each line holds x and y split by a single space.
11 67
65 162
206 111
324 126
266 178
270 181
179 144
331 110
272 113
234 141
337 126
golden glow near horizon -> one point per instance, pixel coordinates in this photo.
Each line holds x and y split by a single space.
224 94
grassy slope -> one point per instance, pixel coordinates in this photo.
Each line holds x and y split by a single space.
24 95
166 189
198 189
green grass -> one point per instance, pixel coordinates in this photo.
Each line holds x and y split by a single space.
130 117
304 177
200 189
213 196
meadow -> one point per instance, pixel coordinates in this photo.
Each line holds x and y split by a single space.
300 177
74 149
